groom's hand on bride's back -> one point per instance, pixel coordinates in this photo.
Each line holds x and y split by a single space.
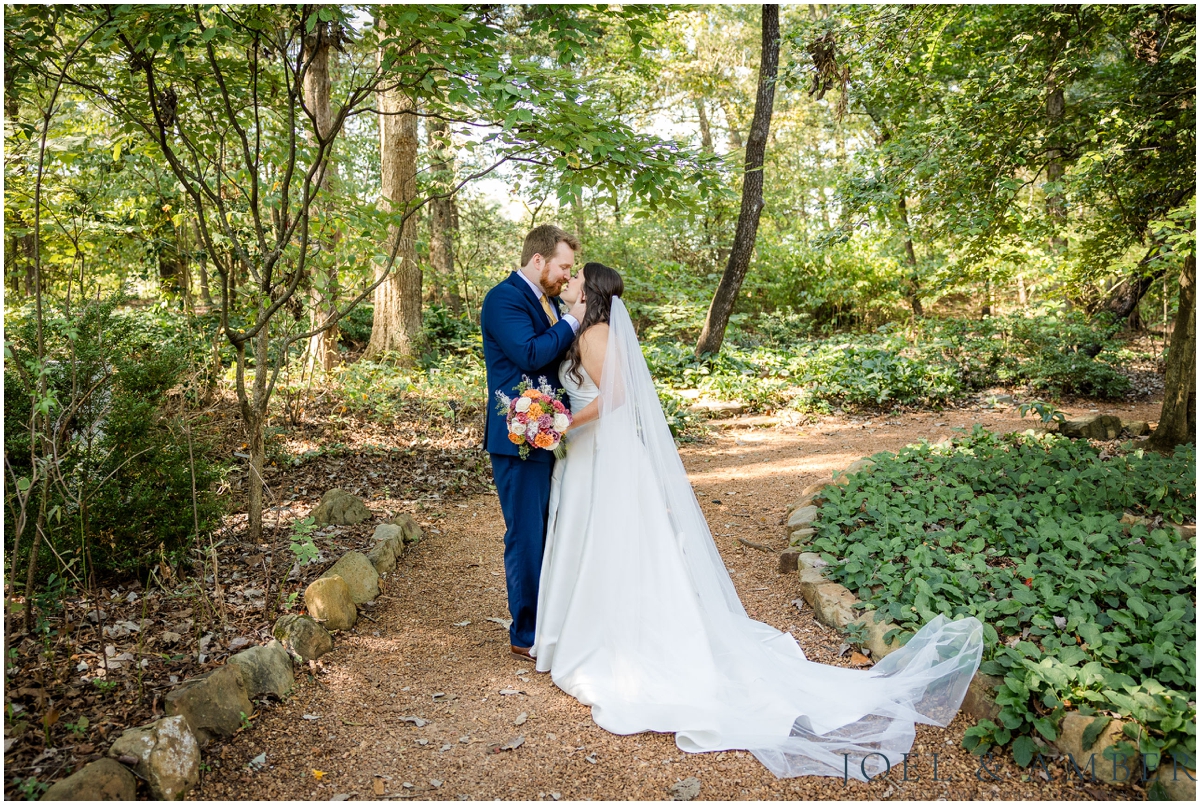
577 310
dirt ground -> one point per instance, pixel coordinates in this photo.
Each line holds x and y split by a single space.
491 727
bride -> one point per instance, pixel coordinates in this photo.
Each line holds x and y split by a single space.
637 616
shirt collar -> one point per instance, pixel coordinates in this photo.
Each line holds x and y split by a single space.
537 289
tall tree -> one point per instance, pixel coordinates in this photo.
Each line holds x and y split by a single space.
713 332
1177 422
321 350
396 325
443 216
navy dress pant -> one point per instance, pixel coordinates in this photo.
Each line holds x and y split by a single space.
524 489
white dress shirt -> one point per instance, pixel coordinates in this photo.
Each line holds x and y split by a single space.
539 293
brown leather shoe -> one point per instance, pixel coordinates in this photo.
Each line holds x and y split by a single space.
523 653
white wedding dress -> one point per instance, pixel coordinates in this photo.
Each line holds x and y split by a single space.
637 616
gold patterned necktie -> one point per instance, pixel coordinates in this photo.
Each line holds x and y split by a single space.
546 306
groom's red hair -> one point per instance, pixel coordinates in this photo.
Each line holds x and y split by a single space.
544 240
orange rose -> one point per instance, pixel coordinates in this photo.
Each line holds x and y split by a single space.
516 438
543 440
531 393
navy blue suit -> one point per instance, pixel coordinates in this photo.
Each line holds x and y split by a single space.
519 342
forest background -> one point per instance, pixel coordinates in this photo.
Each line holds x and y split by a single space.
224 224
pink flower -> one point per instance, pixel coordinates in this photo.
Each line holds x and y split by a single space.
546 422
559 407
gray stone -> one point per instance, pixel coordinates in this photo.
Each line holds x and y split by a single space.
408 526
1185 531
383 555
717 408
1098 426
302 635
833 605
339 507
814 490
1138 428
788 561
803 517
168 756
801 536
1178 782
214 703
810 576
328 600
393 535
860 465
980 699
266 670
104 780
686 789
1070 742
360 574
876 632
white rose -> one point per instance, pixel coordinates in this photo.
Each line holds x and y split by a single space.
561 423
516 427
523 404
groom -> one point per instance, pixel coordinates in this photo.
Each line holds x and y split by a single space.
525 335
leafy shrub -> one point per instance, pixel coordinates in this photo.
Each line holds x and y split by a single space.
122 472
1081 611
355 326
1057 352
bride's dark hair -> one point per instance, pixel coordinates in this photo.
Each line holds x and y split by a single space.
600 284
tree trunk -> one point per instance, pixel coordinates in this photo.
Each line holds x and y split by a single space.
1177 422
397 321
254 413
442 217
202 269
1021 298
719 311
321 350
1123 299
705 132
735 134
1055 208
27 247
910 257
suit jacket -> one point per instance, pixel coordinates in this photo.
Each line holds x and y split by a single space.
518 341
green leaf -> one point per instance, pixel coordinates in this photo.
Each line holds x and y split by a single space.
1024 750
1093 731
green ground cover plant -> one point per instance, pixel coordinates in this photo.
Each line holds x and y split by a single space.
1082 611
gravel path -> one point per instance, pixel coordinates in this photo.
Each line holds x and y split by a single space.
428 651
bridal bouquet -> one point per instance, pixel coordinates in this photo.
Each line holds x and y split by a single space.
536 418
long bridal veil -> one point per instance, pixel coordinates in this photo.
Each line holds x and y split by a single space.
682 656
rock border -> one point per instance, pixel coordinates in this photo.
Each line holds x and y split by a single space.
166 753
833 605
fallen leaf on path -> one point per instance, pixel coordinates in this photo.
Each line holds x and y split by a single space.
463 623
505 622
258 761
842 649
317 775
858 660
798 604
416 722
511 692
521 719
378 785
